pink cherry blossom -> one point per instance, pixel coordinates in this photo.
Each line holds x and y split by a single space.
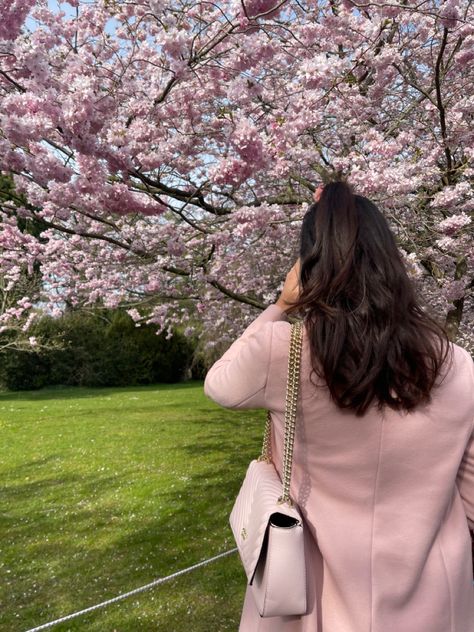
168 154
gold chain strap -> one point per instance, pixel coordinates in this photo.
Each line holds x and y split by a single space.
267 446
292 384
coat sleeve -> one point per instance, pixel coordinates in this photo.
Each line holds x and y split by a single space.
465 475
238 379
465 481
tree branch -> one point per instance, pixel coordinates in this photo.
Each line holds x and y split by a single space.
237 297
441 108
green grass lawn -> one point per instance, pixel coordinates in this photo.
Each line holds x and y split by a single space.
104 490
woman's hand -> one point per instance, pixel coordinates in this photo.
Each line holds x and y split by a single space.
291 289
318 192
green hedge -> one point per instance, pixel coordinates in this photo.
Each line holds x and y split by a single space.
99 349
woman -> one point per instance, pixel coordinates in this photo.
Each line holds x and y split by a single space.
383 465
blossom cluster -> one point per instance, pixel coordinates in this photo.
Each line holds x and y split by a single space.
162 157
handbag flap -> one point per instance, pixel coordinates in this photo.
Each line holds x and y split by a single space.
256 501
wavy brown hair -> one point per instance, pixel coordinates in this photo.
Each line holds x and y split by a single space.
370 339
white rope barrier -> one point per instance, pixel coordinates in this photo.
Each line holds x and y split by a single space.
152 584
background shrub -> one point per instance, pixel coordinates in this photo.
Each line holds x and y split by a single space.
100 348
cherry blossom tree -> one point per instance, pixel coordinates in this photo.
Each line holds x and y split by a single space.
168 149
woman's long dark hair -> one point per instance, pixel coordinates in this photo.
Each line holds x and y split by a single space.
370 339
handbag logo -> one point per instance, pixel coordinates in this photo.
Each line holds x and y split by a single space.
243 533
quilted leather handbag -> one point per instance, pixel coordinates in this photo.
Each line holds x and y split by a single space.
266 524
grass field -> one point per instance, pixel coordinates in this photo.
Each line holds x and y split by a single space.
104 490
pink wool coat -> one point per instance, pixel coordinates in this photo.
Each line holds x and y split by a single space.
388 498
